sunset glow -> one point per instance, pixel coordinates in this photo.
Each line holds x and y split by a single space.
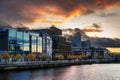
114 50
96 18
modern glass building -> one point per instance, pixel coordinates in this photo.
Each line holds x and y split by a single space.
46 42
76 43
18 41
36 43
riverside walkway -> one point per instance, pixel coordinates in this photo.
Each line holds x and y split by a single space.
48 64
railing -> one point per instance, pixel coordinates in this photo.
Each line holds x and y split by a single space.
56 61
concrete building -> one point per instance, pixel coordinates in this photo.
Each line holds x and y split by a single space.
60 45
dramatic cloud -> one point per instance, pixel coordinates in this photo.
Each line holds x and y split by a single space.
31 11
103 14
96 25
71 32
92 28
105 42
96 41
51 21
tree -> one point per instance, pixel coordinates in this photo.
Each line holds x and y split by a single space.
83 56
31 56
24 56
99 57
13 57
5 56
75 56
59 57
79 57
70 57
18 56
43 56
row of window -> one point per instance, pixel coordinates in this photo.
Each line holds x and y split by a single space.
20 42
36 44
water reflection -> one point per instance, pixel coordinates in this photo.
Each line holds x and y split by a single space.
80 72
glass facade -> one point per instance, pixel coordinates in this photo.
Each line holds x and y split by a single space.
15 41
39 45
36 44
49 46
19 41
26 42
19 46
12 41
76 42
44 44
33 44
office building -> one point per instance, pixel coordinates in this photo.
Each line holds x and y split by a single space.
76 43
46 41
86 44
58 43
17 41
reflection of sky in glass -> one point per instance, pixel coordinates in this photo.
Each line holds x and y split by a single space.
12 33
76 41
26 41
40 44
34 39
21 41
19 37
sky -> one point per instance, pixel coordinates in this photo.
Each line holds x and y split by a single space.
95 17
116 50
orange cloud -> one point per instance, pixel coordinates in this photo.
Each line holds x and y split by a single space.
69 8
92 30
23 11
78 11
106 4
110 6
51 21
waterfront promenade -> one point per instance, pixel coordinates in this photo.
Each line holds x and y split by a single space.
48 64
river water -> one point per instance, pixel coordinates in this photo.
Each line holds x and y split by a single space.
77 72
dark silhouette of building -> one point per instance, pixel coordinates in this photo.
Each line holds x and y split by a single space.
60 45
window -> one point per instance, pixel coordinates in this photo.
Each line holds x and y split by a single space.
26 42
34 43
19 38
12 48
40 44
12 33
12 40
12 36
